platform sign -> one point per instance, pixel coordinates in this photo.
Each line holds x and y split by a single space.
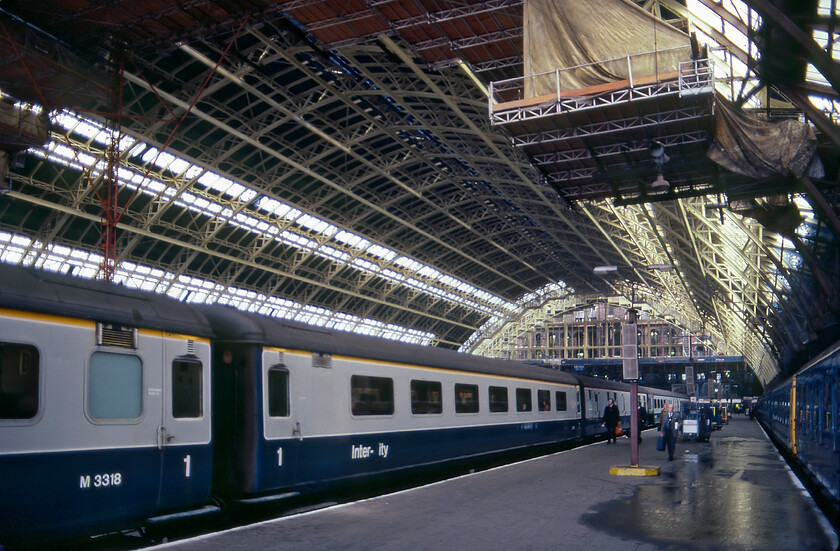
689 380
629 352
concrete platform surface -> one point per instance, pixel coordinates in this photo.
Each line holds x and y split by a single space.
733 493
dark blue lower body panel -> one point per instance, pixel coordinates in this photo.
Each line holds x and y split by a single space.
62 495
317 462
594 427
822 460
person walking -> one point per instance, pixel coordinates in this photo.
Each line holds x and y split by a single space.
611 418
669 424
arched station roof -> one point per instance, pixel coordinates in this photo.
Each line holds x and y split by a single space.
334 162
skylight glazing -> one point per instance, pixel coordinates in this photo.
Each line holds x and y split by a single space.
724 38
303 231
160 176
18 249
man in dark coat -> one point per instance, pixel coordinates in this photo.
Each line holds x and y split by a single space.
669 425
611 418
642 418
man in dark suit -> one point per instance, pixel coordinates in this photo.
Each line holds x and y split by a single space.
669 425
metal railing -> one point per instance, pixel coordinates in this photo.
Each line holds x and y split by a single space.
543 94
697 76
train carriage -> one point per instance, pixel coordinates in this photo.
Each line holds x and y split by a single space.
802 414
104 395
596 394
658 399
328 406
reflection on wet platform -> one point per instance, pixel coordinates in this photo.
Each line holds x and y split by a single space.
732 493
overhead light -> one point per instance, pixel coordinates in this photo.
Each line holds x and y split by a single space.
657 151
609 269
660 185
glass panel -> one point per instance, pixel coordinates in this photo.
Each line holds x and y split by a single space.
19 372
426 397
372 395
523 399
560 400
544 400
498 398
186 388
278 391
115 386
466 398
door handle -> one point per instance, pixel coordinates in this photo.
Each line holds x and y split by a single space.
163 437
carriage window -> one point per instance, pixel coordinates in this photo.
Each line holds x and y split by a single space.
560 400
426 397
498 399
186 388
523 399
544 400
466 398
278 391
372 395
115 386
19 371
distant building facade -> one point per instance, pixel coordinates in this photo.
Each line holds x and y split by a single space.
595 332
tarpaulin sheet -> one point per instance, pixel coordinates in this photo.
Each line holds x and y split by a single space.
748 144
562 34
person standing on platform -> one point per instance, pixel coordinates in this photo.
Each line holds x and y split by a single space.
669 424
641 415
611 418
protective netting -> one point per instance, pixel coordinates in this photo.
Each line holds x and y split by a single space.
21 128
590 42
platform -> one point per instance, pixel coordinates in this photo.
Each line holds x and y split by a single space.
734 492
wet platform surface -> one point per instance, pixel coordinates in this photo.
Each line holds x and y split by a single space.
732 493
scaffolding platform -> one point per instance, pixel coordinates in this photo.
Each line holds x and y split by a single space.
593 142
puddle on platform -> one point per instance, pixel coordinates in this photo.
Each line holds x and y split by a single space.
693 506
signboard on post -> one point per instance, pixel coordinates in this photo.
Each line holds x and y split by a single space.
629 352
689 380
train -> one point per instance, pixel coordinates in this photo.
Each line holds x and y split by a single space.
122 409
801 415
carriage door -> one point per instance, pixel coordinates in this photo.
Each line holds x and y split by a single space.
184 436
283 432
